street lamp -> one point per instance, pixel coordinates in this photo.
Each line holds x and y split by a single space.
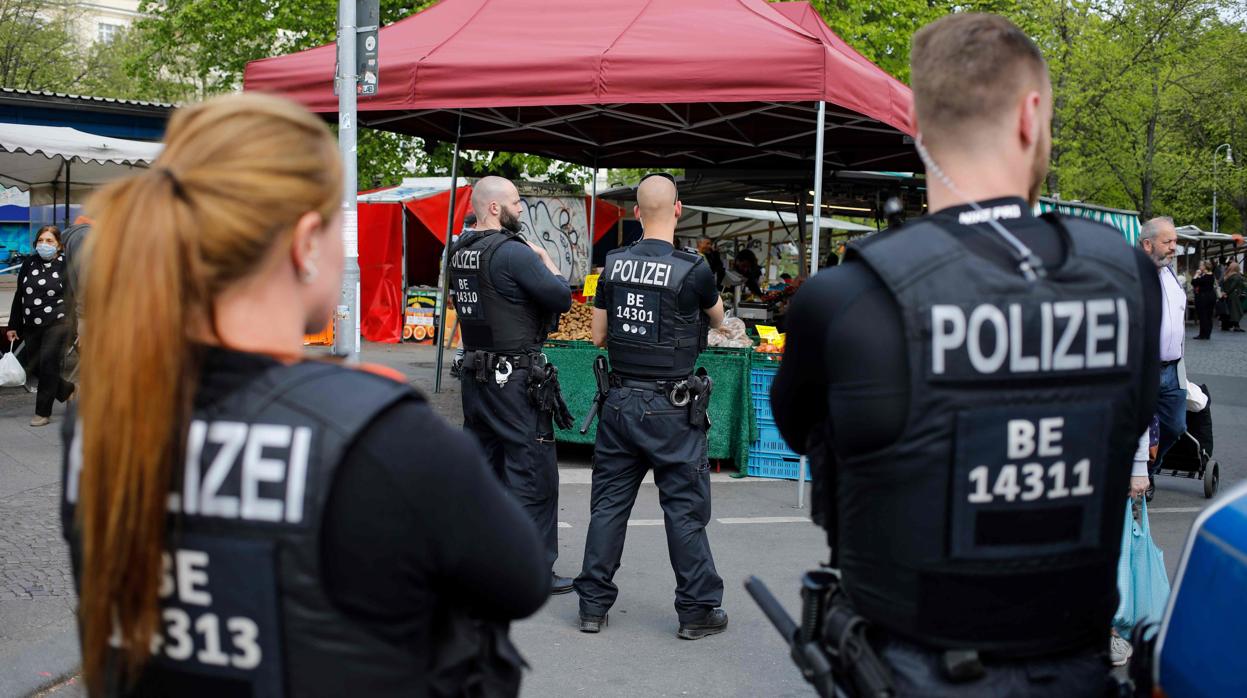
1229 159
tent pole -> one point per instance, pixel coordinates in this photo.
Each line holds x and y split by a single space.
770 250
802 217
593 214
818 186
402 211
445 291
68 177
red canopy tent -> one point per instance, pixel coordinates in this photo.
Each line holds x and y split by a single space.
626 83
623 83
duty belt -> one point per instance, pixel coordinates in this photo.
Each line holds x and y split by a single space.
677 390
489 361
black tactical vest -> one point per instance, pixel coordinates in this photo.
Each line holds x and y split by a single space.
994 521
488 321
243 609
648 334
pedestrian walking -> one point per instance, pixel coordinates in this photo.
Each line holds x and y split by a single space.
41 318
508 294
244 522
975 461
1159 239
1233 290
1205 285
653 308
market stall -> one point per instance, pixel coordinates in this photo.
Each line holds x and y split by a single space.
402 237
731 414
632 83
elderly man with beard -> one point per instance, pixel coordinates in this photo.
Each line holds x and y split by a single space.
980 432
1159 239
508 294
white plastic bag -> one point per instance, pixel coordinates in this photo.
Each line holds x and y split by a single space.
12 375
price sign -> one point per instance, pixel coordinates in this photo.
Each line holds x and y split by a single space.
591 285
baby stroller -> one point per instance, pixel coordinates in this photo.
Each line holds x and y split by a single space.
1192 454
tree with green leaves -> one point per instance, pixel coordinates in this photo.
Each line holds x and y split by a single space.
208 46
39 46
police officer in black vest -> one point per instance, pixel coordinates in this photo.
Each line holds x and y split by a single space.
653 307
982 377
508 294
245 522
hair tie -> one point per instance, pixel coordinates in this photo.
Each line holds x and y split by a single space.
178 190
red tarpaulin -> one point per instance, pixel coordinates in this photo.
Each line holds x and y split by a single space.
618 84
382 297
381 272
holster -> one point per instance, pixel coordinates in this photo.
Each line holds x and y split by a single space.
700 386
545 392
843 637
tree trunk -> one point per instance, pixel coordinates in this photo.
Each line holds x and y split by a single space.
1147 180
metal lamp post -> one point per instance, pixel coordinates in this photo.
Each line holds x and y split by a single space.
1229 158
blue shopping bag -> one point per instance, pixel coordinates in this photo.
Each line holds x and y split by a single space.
1142 582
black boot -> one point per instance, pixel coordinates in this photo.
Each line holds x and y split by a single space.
593 624
714 622
560 585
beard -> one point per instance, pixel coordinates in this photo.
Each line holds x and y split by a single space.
509 221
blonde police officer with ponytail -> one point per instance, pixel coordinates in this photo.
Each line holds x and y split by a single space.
244 522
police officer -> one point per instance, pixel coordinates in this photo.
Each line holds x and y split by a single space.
244 522
508 294
982 377
652 310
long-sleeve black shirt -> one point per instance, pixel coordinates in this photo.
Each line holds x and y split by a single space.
521 277
415 519
845 365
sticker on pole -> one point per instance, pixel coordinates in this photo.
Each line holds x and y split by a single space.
367 21
350 233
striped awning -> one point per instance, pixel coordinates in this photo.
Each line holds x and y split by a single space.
1125 221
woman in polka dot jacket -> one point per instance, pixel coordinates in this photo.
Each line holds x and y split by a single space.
41 318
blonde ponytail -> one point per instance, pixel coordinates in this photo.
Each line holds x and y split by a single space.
237 172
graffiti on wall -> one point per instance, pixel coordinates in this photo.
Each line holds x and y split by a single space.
558 225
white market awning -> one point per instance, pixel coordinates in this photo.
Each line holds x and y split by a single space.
34 156
744 222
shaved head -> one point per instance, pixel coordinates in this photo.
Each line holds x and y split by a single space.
496 203
490 190
655 199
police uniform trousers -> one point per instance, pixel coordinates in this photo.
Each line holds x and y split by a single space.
917 673
518 440
640 429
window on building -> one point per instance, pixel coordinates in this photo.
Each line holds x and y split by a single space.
106 32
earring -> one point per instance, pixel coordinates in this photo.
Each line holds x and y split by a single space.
308 275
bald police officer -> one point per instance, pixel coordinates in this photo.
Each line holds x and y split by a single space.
653 307
508 294
982 377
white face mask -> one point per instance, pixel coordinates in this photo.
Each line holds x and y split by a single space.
46 251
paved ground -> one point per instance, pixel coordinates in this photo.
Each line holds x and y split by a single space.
756 530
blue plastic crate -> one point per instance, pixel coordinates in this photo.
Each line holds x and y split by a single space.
784 467
770 440
762 408
760 380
